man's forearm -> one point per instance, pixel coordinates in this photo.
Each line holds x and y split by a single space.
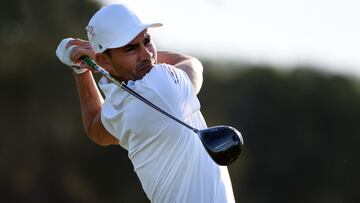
90 98
91 103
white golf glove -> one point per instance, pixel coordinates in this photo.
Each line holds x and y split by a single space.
63 55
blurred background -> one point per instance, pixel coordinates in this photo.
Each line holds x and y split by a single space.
291 87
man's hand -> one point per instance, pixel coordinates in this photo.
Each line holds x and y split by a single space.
70 50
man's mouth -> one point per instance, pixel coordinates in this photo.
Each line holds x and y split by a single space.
145 67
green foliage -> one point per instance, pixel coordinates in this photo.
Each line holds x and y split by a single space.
31 30
300 130
300 126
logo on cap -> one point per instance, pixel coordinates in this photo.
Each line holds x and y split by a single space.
91 32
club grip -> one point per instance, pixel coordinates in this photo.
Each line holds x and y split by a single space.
88 61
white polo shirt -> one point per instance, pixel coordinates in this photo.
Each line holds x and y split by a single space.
168 158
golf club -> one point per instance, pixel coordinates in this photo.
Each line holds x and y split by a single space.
223 143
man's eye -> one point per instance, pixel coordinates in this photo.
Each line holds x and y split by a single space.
147 40
130 49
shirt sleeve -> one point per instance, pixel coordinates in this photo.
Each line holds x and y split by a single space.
107 113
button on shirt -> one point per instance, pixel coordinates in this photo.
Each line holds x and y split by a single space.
168 158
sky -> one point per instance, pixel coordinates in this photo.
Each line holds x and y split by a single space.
283 33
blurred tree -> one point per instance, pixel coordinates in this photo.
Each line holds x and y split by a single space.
300 133
31 30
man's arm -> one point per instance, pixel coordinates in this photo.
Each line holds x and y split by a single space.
192 67
91 102
90 98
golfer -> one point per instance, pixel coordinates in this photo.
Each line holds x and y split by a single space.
168 158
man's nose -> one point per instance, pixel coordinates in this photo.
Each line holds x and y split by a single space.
145 53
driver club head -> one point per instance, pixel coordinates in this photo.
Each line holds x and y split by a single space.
223 143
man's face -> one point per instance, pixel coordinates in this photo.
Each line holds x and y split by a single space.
134 60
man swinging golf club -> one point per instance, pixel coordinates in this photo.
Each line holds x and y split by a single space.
169 159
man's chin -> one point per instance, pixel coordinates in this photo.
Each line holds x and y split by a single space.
144 71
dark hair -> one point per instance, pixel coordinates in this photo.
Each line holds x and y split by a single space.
107 52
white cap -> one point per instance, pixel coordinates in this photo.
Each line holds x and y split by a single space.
114 26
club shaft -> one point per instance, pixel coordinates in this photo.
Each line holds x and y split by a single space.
106 74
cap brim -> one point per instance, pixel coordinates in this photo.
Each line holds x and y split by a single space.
132 34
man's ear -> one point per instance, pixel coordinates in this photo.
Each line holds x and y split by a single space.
104 61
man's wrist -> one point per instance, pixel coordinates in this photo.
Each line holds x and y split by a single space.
81 75
78 70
